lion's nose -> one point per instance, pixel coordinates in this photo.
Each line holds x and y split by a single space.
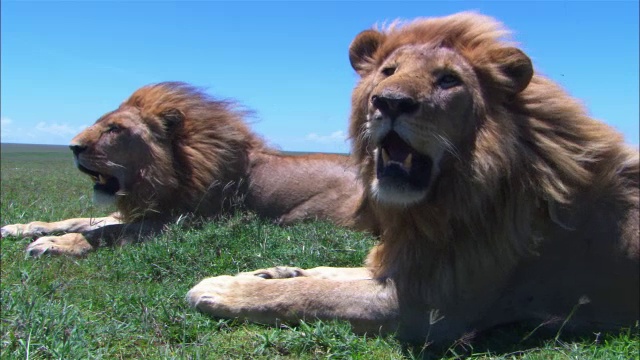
394 105
77 149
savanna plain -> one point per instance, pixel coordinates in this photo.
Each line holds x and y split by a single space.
128 302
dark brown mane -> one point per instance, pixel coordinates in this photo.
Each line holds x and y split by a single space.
200 150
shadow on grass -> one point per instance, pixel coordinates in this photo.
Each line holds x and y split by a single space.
517 340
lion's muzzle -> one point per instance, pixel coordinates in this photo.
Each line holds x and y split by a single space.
103 183
77 149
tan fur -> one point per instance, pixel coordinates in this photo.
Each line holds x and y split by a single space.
529 210
175 151
316 186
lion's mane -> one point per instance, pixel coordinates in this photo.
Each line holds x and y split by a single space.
199 151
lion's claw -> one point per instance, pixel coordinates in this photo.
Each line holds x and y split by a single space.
278 272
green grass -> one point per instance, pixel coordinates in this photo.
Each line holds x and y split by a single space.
129 302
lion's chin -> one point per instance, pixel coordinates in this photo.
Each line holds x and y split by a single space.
105 190
397 195
103 199
403 175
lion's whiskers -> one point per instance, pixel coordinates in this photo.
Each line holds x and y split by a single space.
447 144
112 164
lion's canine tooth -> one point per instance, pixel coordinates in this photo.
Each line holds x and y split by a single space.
407 161
102 179
385 157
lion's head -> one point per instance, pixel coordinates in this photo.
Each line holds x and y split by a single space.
446 105
169 146
424 97
463 145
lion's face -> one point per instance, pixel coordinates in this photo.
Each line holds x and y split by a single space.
416 112
116 150
419 108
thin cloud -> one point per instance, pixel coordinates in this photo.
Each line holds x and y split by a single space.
58 129
10 133
7 130
335 137
42 133
5 122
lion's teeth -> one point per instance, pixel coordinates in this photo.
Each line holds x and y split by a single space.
407 162
102 179
385 157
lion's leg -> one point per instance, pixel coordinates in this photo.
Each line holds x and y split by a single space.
76 225
78 244
369 305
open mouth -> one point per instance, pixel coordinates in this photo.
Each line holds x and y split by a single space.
102 183
399 165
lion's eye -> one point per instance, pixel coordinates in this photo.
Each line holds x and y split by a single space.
447 81
113 128
388 71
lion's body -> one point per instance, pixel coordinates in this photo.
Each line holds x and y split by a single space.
498 198
289 196
169 151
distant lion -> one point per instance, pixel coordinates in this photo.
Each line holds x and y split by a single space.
498 199
171 150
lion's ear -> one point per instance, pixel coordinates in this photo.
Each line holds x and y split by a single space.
172 118
514 64
362 49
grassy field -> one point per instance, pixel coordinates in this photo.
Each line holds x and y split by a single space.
126 303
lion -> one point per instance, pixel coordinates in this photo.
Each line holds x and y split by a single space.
171 150
498 198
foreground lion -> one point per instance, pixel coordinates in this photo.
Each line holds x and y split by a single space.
499 199
171 150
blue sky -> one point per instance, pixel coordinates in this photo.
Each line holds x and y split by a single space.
64 64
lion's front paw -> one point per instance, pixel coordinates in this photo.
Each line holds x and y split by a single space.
32 229
10 230
43 245
221 296
69 244
20 230
278 272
